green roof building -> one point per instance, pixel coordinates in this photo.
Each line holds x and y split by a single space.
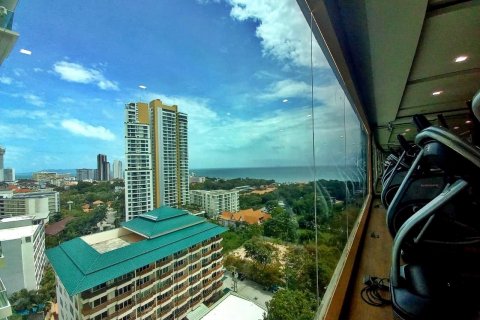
160 265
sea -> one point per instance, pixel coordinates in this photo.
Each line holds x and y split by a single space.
279 174
282 174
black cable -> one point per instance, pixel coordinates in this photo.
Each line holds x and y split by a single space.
375 291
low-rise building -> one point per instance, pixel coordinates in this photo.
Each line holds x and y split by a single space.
231 306
159 265
39 204
248 216
22 258
215 201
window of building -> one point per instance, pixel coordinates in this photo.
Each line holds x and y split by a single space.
99 301
101 316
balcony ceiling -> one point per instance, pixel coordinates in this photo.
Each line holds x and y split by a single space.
392 55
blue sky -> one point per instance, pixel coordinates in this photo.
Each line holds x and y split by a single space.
240 69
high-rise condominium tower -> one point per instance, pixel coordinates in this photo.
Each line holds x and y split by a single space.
2 153
156 152
117 169
103 168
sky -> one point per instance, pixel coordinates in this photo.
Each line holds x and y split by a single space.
240 69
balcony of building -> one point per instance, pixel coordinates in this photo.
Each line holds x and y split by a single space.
142 272
5 307
8 37
162 263
88 309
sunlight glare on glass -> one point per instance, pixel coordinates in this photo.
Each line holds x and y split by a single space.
461 58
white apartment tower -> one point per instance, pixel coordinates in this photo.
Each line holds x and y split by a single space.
156 155
22 248
117 169
215 202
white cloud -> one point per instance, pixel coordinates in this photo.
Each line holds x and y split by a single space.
287 89
74 72
207 1
34 99
282 28
37 70
66 100
6 80
15 113
80 128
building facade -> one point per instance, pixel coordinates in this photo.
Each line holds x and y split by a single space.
159 265
22 259
2 154
85 174
103 168
117 169
8 37
156 142
38 204
9 175
215 202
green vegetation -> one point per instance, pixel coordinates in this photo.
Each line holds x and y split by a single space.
235 238
281 226
85 193
223 184
260 251
47 285
28 302
293 226
291 305
80 226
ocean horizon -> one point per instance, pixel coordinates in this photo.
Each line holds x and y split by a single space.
279 174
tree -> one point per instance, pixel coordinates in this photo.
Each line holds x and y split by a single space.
47 285
291 305
281 226
260 251
28 301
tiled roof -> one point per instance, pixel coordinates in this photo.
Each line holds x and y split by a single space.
80 267
57 227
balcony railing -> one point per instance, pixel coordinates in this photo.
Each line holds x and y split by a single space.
146 297
164 299
145 284
120 312
85 295
181 300
149 269
144 312
179 279
87 310
163 263
195 248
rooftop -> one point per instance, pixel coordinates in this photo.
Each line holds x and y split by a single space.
232 306
85 262
18 232
57 227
